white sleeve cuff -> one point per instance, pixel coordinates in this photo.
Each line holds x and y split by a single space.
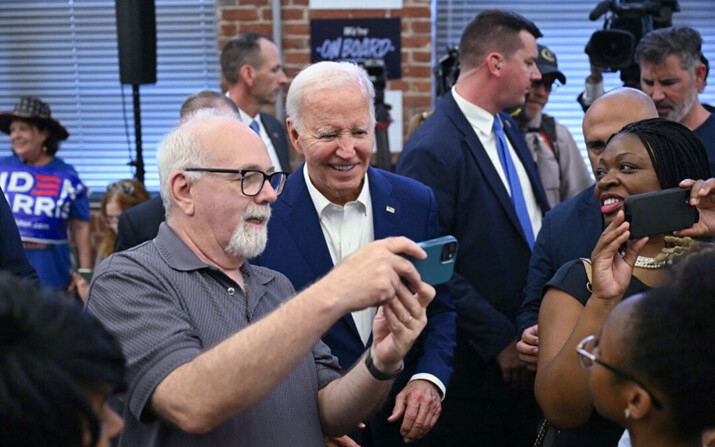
432 379
592 92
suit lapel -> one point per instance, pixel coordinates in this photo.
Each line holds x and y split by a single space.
275 130
386 209
303 225
482 160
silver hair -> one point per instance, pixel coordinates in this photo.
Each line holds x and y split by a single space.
682 41
181 149
326 75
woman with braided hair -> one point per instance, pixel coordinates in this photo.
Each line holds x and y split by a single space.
645 156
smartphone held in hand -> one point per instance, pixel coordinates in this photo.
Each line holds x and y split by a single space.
437 268
659 212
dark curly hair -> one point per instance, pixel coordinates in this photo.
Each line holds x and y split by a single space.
51 354
671 340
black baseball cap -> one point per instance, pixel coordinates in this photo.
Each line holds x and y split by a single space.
546 63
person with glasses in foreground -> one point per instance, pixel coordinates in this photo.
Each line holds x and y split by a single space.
218 353
644 156
651 368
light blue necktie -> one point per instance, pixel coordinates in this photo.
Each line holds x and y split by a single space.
517 195
254 126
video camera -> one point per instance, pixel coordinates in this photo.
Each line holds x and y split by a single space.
446 72
613 47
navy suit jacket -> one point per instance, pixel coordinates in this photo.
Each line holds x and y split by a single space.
139 223
277 134
445 154
569 231
297 248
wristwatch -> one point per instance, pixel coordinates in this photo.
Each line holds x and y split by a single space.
376 373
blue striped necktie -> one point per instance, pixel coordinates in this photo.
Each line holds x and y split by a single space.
517 195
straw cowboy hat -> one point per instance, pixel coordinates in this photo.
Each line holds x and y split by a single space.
33 109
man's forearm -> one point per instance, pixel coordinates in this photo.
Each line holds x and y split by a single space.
234 375
79 230
348 401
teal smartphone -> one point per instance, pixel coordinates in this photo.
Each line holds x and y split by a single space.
438 267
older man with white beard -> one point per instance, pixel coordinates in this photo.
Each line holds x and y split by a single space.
217 354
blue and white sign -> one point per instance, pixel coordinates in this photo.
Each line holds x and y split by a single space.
357 40
40 200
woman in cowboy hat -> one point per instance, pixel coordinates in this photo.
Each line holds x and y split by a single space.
47 198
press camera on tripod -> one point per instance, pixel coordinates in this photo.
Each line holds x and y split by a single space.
378 75
627 21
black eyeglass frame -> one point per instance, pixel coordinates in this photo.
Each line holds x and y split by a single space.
583 353
547 85
244 172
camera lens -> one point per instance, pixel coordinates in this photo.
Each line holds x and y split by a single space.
448 251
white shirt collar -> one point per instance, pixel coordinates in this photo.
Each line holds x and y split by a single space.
247 119
321 202
479 118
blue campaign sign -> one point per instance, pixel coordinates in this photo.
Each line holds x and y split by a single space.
40 200
357 40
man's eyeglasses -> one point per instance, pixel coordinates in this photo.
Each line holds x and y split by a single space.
252 180
546 83
124 187
588 359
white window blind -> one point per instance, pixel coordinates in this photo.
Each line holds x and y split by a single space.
566 30
65 52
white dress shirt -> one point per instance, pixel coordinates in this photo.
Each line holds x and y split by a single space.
482 123
346 229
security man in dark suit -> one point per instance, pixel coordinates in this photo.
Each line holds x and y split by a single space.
252 68
490 197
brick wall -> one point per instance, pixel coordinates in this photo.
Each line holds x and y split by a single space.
237 16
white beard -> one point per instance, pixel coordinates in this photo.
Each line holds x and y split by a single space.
248 241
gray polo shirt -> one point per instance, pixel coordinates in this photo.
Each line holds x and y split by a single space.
165 306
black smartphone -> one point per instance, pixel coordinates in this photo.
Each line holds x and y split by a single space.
659 212
86 274
437 268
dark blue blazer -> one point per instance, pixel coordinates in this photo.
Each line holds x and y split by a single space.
445 154
277 134
569 231
297 248
139 223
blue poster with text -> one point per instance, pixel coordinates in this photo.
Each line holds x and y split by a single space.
357 40
40 200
